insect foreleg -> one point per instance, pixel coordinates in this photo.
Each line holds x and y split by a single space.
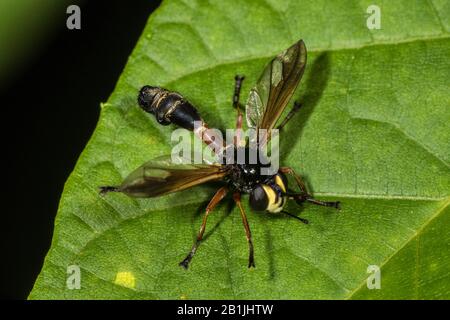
220 194
298 179
304 195
334 204
296 217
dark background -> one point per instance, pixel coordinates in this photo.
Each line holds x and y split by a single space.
52 108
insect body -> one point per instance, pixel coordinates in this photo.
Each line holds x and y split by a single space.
267 192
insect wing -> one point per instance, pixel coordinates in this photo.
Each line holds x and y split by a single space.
160 176
275 87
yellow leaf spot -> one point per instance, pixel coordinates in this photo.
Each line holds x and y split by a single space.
125 279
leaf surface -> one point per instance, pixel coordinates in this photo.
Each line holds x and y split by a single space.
373 133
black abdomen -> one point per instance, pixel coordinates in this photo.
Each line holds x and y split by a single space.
168 107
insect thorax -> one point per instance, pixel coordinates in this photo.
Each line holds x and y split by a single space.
246 173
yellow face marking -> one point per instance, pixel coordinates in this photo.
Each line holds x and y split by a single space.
279 182
125 279
275 205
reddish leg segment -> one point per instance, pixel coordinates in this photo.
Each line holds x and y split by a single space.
220 194
236 104
237 199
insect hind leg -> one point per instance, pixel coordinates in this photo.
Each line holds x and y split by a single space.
220 194
251 259
237 90
236 104
292 112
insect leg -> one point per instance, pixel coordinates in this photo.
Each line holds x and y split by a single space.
295 108
304 195
237 199
219 195
236 104
237 90
105 189
298 179
334 204
296 217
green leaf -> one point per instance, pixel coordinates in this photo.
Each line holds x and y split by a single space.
373 133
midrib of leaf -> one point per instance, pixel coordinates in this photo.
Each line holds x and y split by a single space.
377 196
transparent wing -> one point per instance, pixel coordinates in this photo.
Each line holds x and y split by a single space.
161 176
275 87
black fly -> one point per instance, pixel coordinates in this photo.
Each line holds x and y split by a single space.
266 102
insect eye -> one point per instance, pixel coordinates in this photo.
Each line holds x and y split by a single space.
258 198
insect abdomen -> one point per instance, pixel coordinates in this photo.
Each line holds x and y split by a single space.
168 107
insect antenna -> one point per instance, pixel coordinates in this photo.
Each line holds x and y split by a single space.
296 217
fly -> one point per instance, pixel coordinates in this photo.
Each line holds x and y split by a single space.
266 103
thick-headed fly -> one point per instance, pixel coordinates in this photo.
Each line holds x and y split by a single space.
266 103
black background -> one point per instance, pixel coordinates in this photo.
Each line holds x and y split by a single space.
52 109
